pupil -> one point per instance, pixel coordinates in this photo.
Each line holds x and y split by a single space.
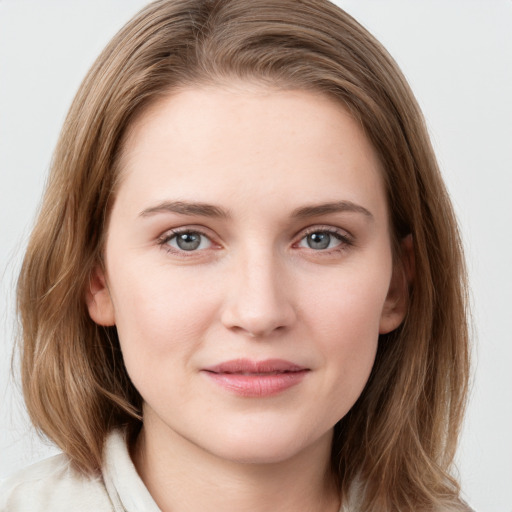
319 240
188 241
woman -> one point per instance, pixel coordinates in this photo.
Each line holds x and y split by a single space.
246 276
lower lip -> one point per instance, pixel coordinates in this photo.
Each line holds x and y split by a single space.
257 385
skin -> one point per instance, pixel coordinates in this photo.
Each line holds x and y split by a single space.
255 288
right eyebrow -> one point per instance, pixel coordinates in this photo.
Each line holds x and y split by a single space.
186 208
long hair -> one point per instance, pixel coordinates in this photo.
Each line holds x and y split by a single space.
394 449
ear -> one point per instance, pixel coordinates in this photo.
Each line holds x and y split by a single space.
98 300
397 300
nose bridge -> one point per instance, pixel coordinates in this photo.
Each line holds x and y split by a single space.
259 302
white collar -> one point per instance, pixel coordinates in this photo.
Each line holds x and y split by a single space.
124 486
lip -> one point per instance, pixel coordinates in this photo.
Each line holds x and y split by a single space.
249 378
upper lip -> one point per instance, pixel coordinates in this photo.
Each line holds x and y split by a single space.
247 366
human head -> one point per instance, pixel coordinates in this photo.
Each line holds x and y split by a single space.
74 381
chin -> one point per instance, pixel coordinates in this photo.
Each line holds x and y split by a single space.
254 455
268 446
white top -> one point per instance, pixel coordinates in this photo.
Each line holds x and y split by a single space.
52 485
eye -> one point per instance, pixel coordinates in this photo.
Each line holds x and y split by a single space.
188 241
321 240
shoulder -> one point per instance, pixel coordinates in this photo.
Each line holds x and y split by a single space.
53 484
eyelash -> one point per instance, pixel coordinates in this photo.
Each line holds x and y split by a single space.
345 239
164 240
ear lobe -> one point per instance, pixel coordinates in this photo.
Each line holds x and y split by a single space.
397 300
98 300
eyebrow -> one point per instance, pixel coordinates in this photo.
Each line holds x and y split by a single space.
326 208
209 210
186 208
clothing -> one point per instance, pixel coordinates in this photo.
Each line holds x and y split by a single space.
53 485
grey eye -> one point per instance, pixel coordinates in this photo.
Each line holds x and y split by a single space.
320 240
189 241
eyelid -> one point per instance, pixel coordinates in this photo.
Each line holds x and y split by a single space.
325 228
163 239
345 237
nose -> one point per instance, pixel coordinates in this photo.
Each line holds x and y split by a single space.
259 302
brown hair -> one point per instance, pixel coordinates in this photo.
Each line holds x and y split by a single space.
397 443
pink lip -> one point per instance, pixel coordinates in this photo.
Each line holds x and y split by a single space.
256 378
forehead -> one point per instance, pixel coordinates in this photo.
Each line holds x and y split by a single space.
252 140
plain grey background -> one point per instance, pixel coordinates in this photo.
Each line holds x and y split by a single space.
457 55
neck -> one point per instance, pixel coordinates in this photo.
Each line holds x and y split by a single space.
182 476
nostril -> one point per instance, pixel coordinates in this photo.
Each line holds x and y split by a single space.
259 326
258 304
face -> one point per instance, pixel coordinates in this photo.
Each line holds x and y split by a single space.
248 268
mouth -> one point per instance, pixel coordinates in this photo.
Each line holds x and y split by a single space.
256 378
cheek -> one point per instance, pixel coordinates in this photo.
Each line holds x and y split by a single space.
345 321
351 335
349 305
160 317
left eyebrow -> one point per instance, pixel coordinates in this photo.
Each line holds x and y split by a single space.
186 208
326 208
